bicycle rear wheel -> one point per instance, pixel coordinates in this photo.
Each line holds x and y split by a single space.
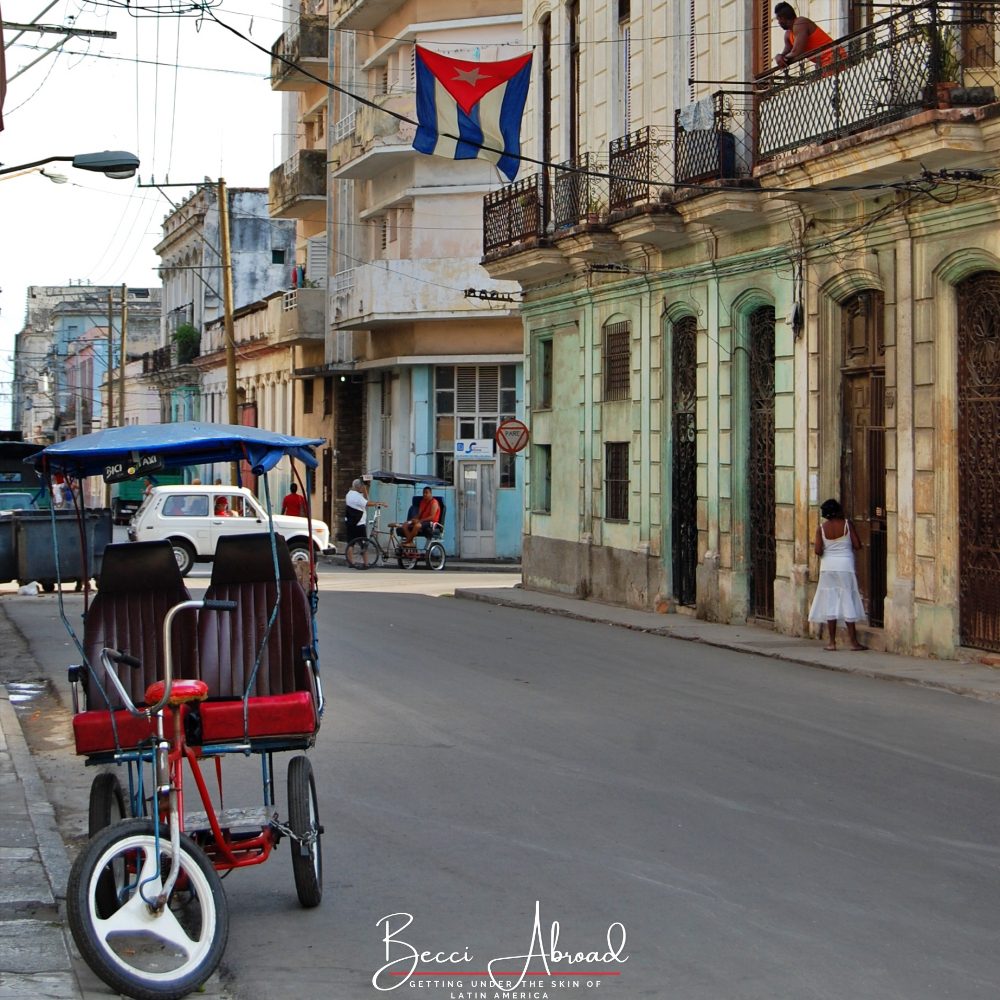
362 553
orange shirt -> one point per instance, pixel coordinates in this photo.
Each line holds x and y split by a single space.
430 510
817 40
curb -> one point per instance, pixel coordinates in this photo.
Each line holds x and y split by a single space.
667 631
41 815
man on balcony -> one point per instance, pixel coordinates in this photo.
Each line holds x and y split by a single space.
802 37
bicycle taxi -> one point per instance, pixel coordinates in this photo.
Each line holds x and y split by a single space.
383 544
170 686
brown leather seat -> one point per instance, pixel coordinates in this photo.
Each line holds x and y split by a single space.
138 585
282 698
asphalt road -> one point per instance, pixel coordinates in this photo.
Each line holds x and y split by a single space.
758 829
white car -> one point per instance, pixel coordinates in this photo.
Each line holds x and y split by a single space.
193 518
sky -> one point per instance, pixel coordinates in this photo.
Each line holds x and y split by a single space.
207 110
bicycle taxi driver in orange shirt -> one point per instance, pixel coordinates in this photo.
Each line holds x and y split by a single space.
803 37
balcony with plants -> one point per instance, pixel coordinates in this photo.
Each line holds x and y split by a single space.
870 104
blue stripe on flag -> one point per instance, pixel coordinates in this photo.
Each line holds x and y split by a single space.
511 112
470 135
426 138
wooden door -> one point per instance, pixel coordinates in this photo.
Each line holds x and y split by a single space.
863 455
979 460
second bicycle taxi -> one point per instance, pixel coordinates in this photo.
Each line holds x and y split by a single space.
169 684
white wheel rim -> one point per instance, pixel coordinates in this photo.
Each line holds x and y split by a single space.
162 933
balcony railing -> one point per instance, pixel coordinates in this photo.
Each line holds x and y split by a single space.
157 361
641 165
515 214
345 126
580 194
882 73
716 149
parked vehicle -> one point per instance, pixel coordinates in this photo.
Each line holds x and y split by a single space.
126 498
194 518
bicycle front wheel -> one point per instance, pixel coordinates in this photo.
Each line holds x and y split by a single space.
149 954
362 553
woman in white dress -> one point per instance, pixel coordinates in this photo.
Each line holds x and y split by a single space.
837 596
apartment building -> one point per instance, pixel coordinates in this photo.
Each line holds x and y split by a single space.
747 290
413 367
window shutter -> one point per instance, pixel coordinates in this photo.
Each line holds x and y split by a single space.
317 260
465 385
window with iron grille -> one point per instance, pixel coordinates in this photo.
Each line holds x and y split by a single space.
307 395
541 478
616 355
616 481
543 375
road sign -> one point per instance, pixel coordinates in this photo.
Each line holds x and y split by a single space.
512 436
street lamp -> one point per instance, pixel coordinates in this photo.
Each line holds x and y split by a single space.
111 163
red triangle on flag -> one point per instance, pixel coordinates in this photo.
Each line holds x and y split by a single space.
469 82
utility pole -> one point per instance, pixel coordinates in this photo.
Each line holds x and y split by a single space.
111 354
227 305
121 359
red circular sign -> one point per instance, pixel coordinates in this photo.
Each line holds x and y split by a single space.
512 436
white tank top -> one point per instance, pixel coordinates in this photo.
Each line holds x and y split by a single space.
838 553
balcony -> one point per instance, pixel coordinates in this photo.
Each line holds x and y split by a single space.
374 141
157 361
362 15
887 87
306 45
640 191
297 188
392 292
297 316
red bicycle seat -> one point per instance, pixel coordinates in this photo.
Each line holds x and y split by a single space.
181 692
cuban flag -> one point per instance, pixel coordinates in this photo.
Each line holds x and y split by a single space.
463 106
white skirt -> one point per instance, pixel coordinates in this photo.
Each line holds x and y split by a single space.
837 596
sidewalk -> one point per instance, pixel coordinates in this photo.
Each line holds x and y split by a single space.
972 680
34 867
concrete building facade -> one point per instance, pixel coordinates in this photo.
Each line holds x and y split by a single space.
740 301
439 368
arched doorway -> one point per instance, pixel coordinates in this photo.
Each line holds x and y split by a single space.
762 560
862 466
684 467
979 460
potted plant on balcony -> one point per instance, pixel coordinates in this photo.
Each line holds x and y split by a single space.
188 341
596 210
947 73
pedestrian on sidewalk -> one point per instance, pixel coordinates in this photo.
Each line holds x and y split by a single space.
837 596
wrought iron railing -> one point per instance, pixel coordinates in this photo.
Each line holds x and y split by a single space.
581 192
884 72
157 361
515 214
641 165
712 140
